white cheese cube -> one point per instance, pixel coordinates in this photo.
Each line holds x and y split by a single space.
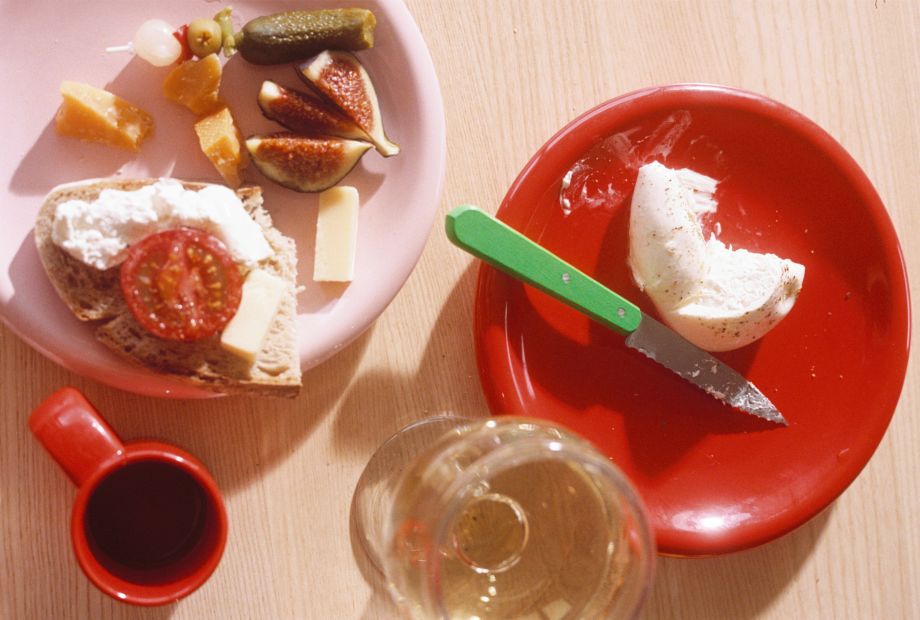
336 235
259 303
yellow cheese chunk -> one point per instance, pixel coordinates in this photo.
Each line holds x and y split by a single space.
96 115
336 235
195 84
244 334
220 140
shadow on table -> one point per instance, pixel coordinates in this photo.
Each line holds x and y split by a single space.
238 439
41 577
738 586
445 378
442 384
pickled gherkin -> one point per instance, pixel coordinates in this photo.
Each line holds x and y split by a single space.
296 35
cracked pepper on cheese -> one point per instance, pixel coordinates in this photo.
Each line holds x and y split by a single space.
717 297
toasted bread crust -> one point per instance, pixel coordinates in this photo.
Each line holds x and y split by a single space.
95 295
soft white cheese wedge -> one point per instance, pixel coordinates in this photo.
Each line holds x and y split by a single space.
667 252
244 334
716 297
336 235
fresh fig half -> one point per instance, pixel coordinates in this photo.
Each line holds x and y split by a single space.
302 163
340 78
306 113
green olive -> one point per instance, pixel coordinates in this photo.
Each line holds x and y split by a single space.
204 37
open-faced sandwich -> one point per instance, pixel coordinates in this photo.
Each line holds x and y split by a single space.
187 279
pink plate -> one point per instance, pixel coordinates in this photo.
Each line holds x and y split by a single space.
714 480
399 195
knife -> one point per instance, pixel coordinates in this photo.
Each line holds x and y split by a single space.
493 241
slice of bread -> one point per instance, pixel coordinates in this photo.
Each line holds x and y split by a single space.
95 295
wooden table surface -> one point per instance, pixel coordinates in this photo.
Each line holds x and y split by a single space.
511 73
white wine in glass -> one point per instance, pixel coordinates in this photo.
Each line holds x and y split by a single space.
510 518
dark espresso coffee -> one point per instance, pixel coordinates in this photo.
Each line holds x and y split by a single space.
145 516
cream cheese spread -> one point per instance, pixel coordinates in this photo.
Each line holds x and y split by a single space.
99 232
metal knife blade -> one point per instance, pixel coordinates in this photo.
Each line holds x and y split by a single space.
508 250
665 346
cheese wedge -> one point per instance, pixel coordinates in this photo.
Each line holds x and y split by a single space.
244 334
221 141
336 235
667 252
716 297
95 115
195 84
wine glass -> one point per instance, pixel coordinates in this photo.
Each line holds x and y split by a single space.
504 517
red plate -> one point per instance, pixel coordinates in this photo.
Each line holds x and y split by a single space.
714 480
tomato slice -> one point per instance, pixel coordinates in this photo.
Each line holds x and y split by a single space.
181 284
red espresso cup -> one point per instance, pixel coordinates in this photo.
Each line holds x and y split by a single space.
148 525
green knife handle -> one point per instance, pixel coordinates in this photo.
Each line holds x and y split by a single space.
506 249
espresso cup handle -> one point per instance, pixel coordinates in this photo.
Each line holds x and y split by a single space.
74 433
